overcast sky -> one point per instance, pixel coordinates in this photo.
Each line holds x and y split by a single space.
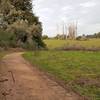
53 13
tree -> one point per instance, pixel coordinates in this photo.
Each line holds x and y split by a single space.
16 16
25 5
95 35
45 37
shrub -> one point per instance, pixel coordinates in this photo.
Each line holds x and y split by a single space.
6 39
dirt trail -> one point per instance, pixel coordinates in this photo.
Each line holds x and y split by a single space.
28 83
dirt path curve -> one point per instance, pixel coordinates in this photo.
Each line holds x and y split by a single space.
27 83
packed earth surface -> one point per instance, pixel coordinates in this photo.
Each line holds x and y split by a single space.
19 80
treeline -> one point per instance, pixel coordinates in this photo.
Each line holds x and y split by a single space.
58 36
86 37
83 37
96 35
19 27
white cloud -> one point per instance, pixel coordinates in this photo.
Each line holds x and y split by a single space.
52 12
45 10
67 8
88 4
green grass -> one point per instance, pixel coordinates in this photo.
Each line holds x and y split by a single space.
52 44
1 55
81 70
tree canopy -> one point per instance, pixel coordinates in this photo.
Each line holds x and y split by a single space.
16 16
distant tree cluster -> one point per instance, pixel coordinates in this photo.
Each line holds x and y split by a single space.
96 35
45 37
86 37
60 36
19 22
67 31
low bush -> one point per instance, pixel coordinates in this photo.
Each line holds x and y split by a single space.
6 39
20 38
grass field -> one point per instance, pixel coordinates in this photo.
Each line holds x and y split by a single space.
92 43
79 70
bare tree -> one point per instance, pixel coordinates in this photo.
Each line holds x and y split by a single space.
72 30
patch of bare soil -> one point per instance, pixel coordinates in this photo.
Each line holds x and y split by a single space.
88 82
21 81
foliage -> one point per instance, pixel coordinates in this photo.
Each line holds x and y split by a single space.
96 35
16 17
73 67
7 40
45 37
82 38
61 37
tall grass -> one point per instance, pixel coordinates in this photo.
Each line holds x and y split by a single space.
92 43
